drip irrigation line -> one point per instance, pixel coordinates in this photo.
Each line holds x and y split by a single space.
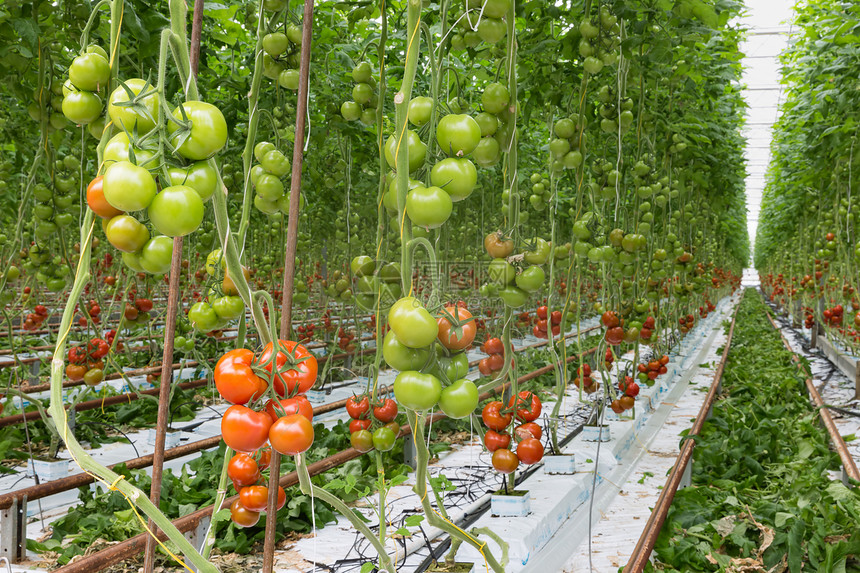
843 411
115 429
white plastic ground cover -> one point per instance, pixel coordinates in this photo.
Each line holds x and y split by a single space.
558 502
206 424
836 389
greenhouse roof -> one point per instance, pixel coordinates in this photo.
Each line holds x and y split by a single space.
768 23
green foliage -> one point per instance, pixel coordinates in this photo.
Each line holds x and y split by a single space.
761 489
813 151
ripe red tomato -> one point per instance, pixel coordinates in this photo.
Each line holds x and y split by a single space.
295 405
493 440
505 461
245 430
77 355
457 338
496 361
542 312
291 435
494 346
528 406
530 451
614 336
387 412
360 424
143 304
357 407
610 319
243 469
254 497
493 418
234 378
296 367
484 367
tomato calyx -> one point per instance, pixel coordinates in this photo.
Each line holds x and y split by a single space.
183 132
135 101
270 371
457 322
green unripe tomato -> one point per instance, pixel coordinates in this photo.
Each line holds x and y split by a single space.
417 391
459 399
275 43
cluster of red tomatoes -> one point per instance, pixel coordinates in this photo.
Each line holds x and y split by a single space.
584 380
35 319
545 321
495 360
777 291
648 371
497 439
110 336
614 334
326 322
306 332
608 358
685 323
833 315
706 309
627 399
85 363
371 324
244 470
284 420
93 310
344 341
647 329
138 310
809 318
372 425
